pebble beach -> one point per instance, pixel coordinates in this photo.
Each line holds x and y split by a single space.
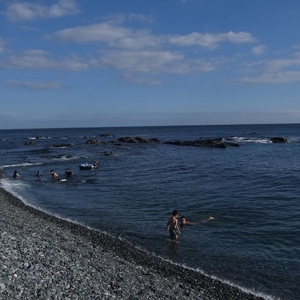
43 257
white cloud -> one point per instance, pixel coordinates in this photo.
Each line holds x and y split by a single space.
142 80
258 50
110 34
2 45
139 61
39 59
210 40
102 32
275 71
25 11
35 85
274 78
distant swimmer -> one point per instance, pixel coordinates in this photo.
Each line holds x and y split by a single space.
54 175
183 221
16 175
96 164
68 172
210 218
172 226
38 173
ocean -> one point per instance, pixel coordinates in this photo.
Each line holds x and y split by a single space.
252 191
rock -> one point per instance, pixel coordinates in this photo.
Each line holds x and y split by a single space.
137 139
279 139
107 153
30 143
106 135
210 143
94 142
61 145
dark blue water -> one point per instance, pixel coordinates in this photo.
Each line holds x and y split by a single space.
252 191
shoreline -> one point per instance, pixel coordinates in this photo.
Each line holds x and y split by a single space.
47 257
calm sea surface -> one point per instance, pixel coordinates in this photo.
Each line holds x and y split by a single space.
252 191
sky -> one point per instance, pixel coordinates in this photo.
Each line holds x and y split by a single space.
112 63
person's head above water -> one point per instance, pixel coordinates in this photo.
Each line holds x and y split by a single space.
175 213
183 220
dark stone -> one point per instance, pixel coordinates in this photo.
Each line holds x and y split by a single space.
30 143
106 135
107 153
129 139
210 143
61 145
279 139
94 142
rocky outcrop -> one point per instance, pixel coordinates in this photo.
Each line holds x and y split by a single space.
94 142
279 139
30 143
129 139
106 135
107 153
61 145
210 143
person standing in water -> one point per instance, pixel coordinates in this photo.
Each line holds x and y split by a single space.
16 175
172 226
68 173
54 175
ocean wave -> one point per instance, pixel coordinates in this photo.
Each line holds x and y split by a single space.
248 140
20 165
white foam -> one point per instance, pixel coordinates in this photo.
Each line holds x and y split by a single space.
249 140
20 165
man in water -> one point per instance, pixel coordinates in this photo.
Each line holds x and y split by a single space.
68 173
16 175
172 226
54 175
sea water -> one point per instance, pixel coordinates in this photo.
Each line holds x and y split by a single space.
252 191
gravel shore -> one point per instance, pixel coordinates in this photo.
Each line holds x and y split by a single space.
43 257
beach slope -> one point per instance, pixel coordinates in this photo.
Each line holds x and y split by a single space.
43 257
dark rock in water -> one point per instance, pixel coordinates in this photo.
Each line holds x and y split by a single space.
61 145
106 135
129 139
94 142
107 153
210 143
61 156
30 143
279 139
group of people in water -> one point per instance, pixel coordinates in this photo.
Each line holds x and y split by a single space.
173 227
54 175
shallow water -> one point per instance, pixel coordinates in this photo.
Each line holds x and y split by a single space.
251 190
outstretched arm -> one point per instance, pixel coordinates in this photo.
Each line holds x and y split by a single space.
209 219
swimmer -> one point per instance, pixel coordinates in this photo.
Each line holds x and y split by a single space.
16 175
54 175
68 173
184 222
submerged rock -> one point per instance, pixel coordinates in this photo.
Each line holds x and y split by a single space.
107 153
30 143
61 145
94 142
279 139
210 143
129 139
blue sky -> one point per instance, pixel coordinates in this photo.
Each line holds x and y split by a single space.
68 63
